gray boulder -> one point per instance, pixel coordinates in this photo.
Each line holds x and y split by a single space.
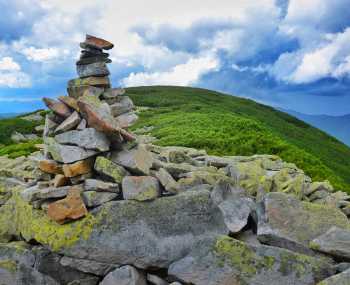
68 124
36 193
94 199
93 69
140 188
228 261
338 279
124 105
335 242
127 120
168 182
109 169
126 275
99 185
87 138
286 222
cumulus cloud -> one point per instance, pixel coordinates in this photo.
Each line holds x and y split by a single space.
41 54
8 64
11 74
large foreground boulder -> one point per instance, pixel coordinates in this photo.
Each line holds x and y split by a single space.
229 261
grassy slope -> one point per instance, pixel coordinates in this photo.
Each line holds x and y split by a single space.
227 125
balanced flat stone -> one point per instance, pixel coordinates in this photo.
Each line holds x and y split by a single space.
93 59
335 242
92 69
98 42
94 199
36 193
110 170
57 107
87 138
286 222
90 81
67 153
70 208
78 168
78 91
68 124
99 185
140 188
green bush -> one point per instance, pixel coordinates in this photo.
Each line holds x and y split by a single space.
20 149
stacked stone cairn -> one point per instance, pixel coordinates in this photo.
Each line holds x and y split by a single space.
90 157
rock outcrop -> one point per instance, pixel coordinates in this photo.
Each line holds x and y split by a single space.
100 205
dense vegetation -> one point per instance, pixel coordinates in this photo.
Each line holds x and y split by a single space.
227 125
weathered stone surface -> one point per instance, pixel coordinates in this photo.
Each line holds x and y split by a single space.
50 166
95 81
137 160
36 193
70 208
99 185
98 115
127 120
17 137
140 188
57 107
234 204
60 180
319 186
78 91
68 124
69 101
94 58
98 42
338 279
229 261
335 242
87 266
113 93
109 169
92 69
124 105
50 126
167 181
286 222
87 138
154 279
81 178
94 198
78 168
125 275
82 125
67 153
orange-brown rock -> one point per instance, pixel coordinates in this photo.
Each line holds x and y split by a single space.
69 101
60 180
78 168
57 107
70 208
50 166
98 43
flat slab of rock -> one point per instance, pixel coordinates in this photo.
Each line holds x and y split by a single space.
229 261
98 42
99 185
87 138
124 105
140 188
91 81
57 107
70 208
137 160
127 120
78 168
36 193
79 90
92 69
68 124
67 153
109 169
87 266
94 198
286 222
50 166
335 242
338 279
168 182
125 275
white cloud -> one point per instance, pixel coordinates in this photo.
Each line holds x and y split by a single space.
41 54
14 79
8 64
182 74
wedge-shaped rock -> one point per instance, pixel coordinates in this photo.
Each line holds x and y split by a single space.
137 160
94 199
35 193
124 105
70 208
230 261
68 124
127 120
109 169
140 188
102 186
98 42
69 101
87 138
78 168
58 107
168 182
50 166
125 275
335 242
92 69
338 279
67 153
98 115
87 266
286 222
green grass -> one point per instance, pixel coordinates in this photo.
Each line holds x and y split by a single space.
228 125
20 149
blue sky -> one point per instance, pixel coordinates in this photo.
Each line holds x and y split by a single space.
291 54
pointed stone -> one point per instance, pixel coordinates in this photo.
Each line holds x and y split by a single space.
57 107
82 125
88 138
92 69
50 166
70 208
69 101
78 168
168 182
98 42
109 169
50 126
68 124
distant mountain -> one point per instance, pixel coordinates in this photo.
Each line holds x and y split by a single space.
8 115
337 126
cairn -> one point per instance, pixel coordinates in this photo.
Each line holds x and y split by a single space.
89 155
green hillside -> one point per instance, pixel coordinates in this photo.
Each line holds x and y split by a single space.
228 125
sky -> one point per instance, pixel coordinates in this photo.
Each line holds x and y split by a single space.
289 54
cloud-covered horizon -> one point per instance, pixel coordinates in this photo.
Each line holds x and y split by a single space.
292 54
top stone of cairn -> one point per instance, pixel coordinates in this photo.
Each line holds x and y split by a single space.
97 43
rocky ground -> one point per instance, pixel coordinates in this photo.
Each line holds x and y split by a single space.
99 205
